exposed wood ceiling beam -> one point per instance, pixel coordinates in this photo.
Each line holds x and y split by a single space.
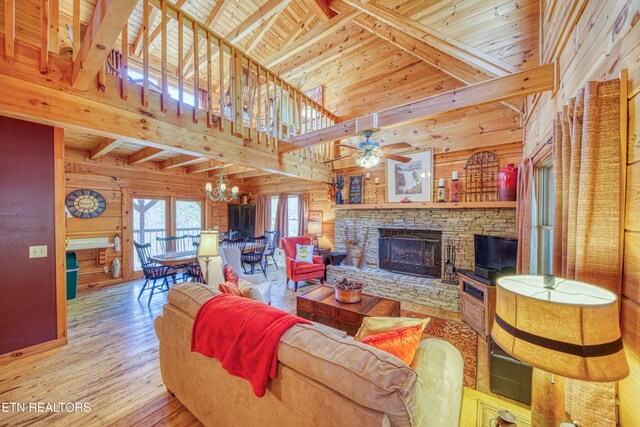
483 62
144 155
206 166
210 22
311 38
295 32
181 160
261 31
230 170
109 17
321 9
257 18
496 90
104 147
248 174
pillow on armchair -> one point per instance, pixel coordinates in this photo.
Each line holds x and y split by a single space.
304 253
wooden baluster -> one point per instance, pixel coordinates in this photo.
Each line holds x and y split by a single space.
146 10
10 28
75 44
164 98
180 64
196 71
267 107
209 83
124 69
259 120
249 103
44 36
281 115
54 26
222 96
299 105
237 95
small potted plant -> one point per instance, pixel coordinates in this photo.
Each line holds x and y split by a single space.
348 291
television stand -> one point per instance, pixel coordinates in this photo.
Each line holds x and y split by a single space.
477 303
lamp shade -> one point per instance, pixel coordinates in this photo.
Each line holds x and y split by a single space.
208 244
571 329
314 228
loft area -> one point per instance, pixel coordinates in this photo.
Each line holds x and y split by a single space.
322 198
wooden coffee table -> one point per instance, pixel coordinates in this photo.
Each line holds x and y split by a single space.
319 305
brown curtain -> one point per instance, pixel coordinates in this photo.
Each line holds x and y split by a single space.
523 215
587 216
303 214
263 214
282 217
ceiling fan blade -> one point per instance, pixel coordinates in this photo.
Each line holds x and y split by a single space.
395 157
396 146
341 158
347 146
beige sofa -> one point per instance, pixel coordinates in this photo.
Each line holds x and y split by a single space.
324 378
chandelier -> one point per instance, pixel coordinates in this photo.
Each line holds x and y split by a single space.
221 193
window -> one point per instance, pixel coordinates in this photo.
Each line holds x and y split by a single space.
274 210
544 217
292 215
188 217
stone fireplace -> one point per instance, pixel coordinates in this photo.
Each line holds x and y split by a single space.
414 252
399 238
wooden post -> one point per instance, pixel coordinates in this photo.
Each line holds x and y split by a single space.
238 98
10 28
259 120
124 70
267 108
54 26
249 104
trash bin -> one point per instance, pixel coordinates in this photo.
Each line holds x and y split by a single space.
72 275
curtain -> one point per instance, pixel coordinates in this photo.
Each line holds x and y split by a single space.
523 216
263 214
303 214
587 216
282 217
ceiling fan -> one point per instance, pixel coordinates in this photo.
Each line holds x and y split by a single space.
370 152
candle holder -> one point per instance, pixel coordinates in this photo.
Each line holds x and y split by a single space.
455 188
441 191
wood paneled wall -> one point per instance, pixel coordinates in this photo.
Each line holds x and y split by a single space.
454 138
595 40
110 176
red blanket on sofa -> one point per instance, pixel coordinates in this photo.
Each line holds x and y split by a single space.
243 335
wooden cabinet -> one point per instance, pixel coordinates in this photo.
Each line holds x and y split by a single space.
477 304
242 218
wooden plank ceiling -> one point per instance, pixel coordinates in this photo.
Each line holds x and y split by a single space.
364 64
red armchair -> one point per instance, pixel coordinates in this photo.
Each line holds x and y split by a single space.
299 271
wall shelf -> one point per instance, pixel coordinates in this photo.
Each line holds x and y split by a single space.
429 205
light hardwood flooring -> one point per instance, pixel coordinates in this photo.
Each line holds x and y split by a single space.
111 363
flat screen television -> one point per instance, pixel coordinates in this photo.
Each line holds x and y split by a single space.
495 256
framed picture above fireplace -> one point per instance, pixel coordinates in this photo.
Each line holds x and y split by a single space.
411 181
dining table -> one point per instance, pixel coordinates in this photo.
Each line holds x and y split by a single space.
175 258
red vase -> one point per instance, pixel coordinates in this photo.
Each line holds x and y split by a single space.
508 183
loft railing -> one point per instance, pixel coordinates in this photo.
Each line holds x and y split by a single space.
225 86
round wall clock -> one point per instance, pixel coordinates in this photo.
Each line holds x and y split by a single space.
85 203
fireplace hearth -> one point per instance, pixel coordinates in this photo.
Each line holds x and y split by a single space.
414 252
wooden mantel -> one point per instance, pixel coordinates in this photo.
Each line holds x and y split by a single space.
429 205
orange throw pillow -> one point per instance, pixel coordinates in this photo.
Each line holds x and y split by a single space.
402 342
229 289
230 275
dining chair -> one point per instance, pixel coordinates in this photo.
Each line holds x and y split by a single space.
172 243
254 253
153 272
234 243
272 244
193 270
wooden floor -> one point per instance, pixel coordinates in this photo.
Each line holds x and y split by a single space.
111 363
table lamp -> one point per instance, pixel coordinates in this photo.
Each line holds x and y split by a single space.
315 230
208 248
563 328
